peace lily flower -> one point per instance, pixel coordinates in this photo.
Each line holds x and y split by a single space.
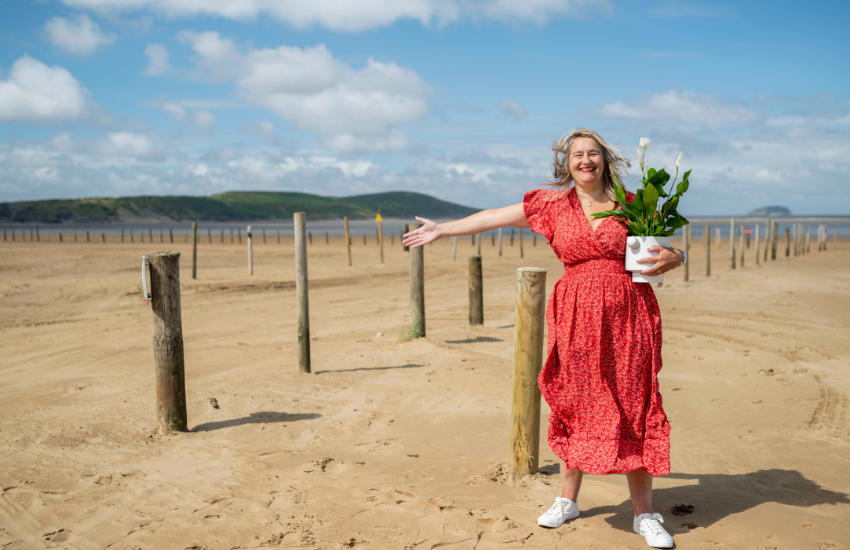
644 143
679 160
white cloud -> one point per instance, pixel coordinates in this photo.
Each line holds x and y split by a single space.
157 60
81 36
683 107
200 118
350 110
359 16
513 110
34 92
125 144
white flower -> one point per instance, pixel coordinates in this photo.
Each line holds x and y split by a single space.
679 160
644 143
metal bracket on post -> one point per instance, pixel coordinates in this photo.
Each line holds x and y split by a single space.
145 292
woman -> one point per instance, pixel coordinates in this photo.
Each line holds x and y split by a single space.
604 345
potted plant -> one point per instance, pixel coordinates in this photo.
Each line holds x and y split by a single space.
648 225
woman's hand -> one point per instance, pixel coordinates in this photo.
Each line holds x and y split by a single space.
429 232
668 258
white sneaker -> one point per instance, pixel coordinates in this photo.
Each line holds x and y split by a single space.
649 525
564 509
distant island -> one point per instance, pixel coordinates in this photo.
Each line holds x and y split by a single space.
230 206
770 211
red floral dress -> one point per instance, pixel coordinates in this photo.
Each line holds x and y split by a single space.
600 378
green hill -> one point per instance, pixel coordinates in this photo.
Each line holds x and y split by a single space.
233 205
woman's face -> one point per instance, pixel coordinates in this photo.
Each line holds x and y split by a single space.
587 164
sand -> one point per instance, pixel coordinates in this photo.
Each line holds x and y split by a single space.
393 443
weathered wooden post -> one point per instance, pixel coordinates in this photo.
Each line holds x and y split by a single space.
170 235
161 236
37 236
194 250
528 360
533 239
757 244
706 236
480 238
808 239
103 237
732 243
264 235
787 242
209 235
476 291
88 236
741 245
310 237
239 234
686 236
250 252
327 237
794 237
492 239
500 242
417 289
472 239
454 248
168 342
405 231
775 235
75 235
222 235
717 236
4 236
521 250
301 294
122 234
381 238
512 236
347 240
278 236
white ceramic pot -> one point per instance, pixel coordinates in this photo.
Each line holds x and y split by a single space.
636 249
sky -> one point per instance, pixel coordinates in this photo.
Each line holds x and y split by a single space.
459 99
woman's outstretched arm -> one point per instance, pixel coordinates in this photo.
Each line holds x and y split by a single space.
485 220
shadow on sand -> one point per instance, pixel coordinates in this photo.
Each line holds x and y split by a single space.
476 340
407 366
717 496
255 418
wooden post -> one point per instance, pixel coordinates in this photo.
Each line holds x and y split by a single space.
75 235
512 236
37 236
757 244
521 251
278 236
161 236
328 238
533 239
403 233
500 242
454 248
122 234
141 235
417 290
492 239
168 342
707 238
479 243
347 241
476 291
766 240
231 235
381 240
301 294
222 235
209 235
250 251
741 244
775 240
194 250
185 236
88 237
103 237
717 236
171 235
794 237
686 236
732 243
239 234
808 239
264 235
392 238
787 242
825 236
528 359
748 242
150 234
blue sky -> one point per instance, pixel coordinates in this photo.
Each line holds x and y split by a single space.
460 99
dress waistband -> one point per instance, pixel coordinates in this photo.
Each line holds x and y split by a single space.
598 266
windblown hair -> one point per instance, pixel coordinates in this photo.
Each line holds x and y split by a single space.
615 164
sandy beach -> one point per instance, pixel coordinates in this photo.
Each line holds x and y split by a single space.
394 443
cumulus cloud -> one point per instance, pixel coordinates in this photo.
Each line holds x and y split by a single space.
684 107
360 16
34 92
157 60
79 36
200 118
350 109
513 110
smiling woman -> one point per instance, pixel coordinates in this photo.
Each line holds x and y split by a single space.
604 344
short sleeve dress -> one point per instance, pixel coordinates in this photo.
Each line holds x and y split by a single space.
600 378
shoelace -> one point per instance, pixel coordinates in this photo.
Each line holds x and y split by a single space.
559 506
654 524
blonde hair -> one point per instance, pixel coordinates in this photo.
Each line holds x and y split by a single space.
615 164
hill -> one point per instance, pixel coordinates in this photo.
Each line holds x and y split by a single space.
770 211
230 206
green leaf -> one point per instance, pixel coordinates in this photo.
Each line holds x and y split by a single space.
650 199
637 228
619 193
